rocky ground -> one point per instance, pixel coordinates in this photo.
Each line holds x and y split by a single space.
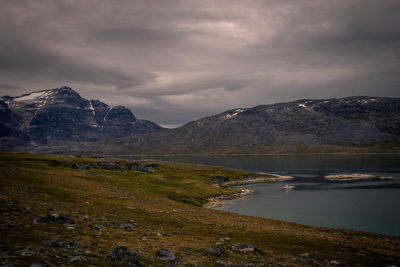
65 211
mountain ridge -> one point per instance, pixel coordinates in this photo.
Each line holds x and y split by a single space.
306 125
59 115
59 120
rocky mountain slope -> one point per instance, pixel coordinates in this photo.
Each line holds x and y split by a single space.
61 115
331 125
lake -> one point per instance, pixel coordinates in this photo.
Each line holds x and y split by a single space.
371 205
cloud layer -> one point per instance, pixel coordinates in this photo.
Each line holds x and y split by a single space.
174 61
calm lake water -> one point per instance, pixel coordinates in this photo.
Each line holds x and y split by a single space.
370 205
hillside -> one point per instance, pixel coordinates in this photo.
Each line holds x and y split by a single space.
354 124
68 211
62 116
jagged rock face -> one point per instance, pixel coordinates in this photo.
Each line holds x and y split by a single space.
353 121
9 122
62 115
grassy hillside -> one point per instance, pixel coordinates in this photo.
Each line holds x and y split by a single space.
163 209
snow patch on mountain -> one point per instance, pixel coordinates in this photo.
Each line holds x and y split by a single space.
236 112
33 96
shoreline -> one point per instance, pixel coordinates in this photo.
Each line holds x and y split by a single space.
251 154
349 177
218 201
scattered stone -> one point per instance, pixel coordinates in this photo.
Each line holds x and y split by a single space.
79 252
334 263
220 179
116 225
146 169
79 166
227 239
219 242
305 255
221 263
244 247
166 255
98 227
57 217
125 255
28 252
130 226
76 259
42 263
71 226
276 262
5 263
216 251
77 244
56 243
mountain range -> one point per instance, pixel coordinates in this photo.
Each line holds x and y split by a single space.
61 120
352 124
62 116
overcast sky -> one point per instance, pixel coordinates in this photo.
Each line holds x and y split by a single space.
174 61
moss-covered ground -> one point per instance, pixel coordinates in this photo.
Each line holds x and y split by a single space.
167 207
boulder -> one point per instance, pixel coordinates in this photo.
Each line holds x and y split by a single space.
56 243
166 255
221 263
125 255
98 227
42 263
58 218
305 255
77 244
244 247
5 263
116 225
130 226
76 259
28 252
216 251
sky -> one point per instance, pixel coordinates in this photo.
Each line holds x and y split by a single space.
174 61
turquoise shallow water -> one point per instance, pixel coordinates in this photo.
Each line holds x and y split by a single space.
370 205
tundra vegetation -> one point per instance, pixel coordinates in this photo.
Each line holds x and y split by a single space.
63 211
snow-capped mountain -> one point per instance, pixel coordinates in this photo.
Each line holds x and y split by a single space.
55 116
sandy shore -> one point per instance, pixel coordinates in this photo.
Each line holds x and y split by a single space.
219 200
268 178
349 176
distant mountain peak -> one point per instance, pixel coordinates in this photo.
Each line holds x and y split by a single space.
62 115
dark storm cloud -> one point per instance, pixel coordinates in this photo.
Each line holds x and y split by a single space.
35 63
175 61
133 36
8 86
